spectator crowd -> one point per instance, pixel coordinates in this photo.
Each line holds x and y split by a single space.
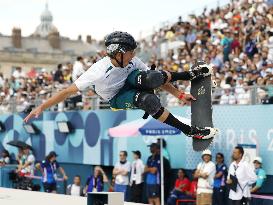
210 183
237 40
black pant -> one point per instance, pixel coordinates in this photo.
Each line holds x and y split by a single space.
243 201
49 187
218 197
136 192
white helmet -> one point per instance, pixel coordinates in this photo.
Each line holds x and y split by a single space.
206 152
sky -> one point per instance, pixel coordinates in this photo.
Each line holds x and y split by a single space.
97 17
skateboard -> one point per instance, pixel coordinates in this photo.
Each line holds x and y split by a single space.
201 109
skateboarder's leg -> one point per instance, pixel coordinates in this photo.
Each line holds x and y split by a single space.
151 104
198 69
149 80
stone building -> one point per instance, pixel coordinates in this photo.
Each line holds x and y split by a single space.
45 48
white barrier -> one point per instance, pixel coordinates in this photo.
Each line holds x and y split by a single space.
22 197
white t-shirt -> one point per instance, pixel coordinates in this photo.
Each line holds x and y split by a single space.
6 160
227 99
244 98
30 168
206 185
17 74
137 171
106 78
78 70
75 190
121 179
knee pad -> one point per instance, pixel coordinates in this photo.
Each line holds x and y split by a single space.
150 103
149 80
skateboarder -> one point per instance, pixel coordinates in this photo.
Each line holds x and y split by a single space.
125 81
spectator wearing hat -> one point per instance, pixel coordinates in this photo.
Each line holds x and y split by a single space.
49 168
121 172
245 176
219 180
261 175
136 179
205 173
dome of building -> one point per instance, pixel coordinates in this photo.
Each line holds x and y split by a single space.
46 15
45 27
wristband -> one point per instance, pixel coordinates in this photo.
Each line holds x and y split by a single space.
181 96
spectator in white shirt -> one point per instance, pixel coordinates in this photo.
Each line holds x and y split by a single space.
5 159
28 160
121 171
75 189
205 173
245 175
78 68
243 98
18 73
227 98
136 179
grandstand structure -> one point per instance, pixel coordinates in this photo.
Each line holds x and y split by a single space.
236 39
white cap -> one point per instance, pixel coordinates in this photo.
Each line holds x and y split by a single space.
206 152
236 60
258 159
42 92
2 94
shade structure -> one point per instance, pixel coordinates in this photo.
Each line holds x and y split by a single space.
19 144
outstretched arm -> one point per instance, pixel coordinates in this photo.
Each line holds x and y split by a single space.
55 99
186 98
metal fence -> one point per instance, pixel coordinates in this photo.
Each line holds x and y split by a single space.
250 95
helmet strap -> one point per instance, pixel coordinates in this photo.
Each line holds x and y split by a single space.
119 62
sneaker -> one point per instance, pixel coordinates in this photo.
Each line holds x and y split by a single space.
203 133
200 69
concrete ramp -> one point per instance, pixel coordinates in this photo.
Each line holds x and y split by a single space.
22 197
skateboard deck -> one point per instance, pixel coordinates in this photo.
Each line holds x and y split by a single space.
201 109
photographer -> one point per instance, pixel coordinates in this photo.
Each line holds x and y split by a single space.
243 176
